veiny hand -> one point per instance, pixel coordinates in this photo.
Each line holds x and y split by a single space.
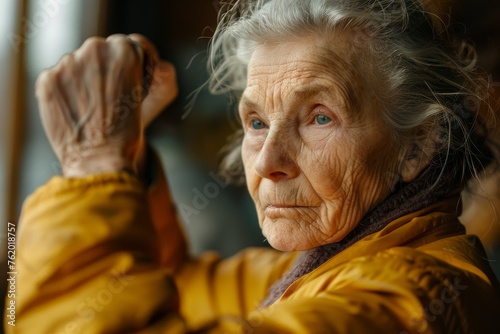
90 103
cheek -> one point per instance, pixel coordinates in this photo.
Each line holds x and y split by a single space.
373 172
324 165
326 172
248 156
350 169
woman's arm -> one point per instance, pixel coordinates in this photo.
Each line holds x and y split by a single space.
99 246
87 260
87 242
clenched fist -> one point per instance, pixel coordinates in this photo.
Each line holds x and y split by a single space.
96 102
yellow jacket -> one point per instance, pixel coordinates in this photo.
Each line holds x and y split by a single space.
103 254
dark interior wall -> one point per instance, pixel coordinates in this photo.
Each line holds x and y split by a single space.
479 22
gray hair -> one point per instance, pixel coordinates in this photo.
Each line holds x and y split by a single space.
433 87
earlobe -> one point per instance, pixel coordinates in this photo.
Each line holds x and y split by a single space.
411 167
419 151
416 159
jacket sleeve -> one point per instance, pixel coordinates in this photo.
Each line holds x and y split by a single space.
211 289
87 259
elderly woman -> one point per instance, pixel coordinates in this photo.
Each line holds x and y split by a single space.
359 133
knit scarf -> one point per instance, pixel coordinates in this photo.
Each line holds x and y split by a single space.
431 186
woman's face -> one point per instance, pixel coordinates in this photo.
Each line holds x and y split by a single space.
316 151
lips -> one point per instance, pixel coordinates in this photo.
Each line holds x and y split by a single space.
283 206
284 210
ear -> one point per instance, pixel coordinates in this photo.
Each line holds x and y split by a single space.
417 157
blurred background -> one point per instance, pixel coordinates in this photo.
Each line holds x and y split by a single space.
34 34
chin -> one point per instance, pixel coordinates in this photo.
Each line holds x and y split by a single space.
288 242
286 246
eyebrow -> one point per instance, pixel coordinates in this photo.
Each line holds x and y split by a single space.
309 92
249 104
300 94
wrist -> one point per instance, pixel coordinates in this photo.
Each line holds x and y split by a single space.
102 161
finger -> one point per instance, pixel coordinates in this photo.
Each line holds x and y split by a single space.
145 44
116 36
151 59
122 41
124 70
52 106
90 76
61 75
126 44
70 78
163 91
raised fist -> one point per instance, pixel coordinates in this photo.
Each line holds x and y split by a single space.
96 102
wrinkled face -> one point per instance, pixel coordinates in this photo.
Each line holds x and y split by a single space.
315 163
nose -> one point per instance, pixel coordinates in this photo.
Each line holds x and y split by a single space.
277 159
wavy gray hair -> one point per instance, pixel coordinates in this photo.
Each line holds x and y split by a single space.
433 88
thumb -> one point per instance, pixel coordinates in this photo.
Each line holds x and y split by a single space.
162 92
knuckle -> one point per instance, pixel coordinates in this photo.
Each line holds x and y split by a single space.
129 48
146 46
123 44
138 37
126 50
171 70
50 78
93 42
67 60
140 41
115 37
63 70
46 79
91 47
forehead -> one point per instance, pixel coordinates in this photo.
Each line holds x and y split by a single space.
305 66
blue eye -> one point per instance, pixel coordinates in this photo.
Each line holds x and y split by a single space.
257 125
322 119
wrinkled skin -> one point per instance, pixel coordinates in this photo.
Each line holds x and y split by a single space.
92 103
314 165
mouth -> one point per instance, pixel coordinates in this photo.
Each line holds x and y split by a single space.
284 206
283 210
